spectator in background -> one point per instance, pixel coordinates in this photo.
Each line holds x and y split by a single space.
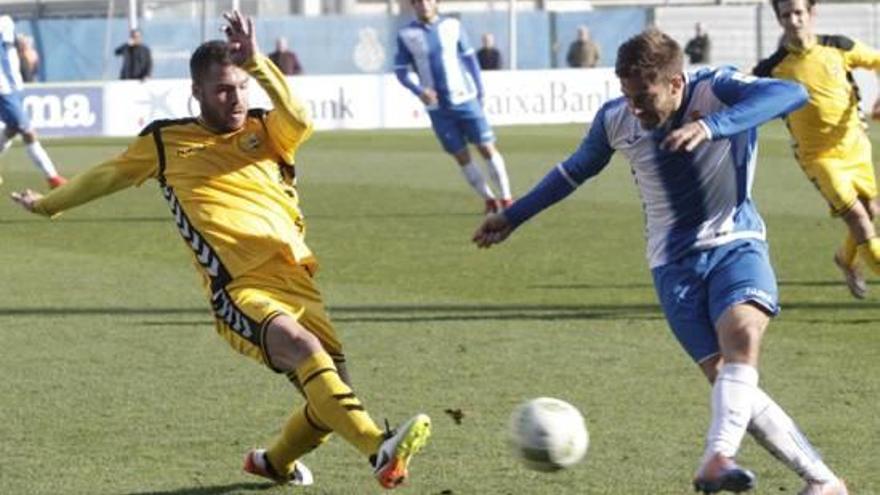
28 57
698 48
137 61
489 56
285 59
583 52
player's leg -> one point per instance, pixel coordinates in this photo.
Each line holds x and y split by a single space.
291 347
41 159
9 131
9 115
6 138
497 172
16 120
845 180
739 333
777 433
846 259
742 295
860 218
477 130
296 338
861 228
301 434
451 138
683 294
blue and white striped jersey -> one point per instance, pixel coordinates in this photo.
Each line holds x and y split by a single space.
443 59
691 200
10 72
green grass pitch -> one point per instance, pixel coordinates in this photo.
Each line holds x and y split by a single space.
113 381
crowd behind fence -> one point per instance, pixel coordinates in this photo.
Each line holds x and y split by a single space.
77 49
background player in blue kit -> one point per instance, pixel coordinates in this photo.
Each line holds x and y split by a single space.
450 86
11 106
692 145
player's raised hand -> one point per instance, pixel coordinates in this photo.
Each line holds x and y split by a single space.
26 199
240 34
494 229
685 138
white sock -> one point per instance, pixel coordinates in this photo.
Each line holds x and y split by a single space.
475 178
5 142
41 159
498 174
732 397
776 431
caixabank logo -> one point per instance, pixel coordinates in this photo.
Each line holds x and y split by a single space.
65 110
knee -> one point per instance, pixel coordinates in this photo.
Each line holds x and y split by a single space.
288 344
299 338
740 332
745 334
487 150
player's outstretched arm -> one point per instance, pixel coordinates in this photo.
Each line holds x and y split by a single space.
751 101
494 229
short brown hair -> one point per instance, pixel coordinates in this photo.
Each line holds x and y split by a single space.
208 53
775 4
651 56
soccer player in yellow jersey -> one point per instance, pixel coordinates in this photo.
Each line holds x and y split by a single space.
830 141
228 179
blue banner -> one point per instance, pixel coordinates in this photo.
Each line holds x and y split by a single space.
65 111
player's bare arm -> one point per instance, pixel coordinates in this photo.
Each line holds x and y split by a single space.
26 199
494 230
241 36
685 138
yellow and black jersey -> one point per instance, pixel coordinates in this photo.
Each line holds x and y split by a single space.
232 195
831 118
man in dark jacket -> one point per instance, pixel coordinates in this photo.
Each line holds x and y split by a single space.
285 58
698 47
137 62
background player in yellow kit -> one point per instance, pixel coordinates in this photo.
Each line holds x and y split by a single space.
830 142
228 178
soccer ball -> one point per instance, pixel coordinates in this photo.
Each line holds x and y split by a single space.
548 434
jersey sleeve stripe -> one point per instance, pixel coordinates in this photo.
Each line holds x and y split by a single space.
573 183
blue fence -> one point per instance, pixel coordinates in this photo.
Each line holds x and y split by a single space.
76 49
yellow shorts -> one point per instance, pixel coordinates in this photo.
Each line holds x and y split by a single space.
843 175
244 308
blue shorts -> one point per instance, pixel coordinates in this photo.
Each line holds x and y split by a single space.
12 112
463 123
698 288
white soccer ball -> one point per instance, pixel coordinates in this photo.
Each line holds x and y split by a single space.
548 434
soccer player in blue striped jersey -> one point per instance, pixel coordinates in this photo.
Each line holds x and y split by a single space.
11 106
450 86
692 144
